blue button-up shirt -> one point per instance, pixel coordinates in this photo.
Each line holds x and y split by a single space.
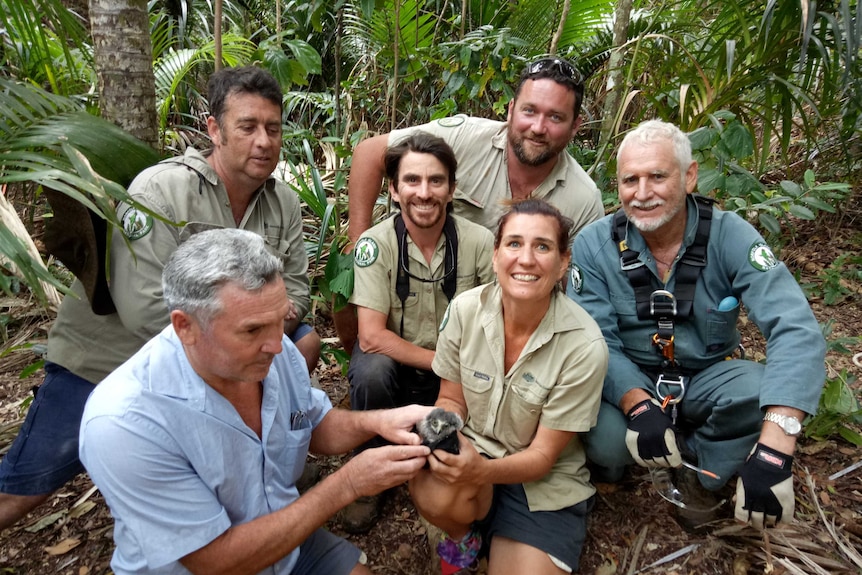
176 463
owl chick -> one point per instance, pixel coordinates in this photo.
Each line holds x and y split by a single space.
438 428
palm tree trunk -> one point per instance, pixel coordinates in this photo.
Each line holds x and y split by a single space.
615 83
123 55
555 41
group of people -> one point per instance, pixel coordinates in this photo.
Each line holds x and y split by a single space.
563 343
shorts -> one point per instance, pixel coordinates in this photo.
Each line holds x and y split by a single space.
302 330
324 552
44 455
560 534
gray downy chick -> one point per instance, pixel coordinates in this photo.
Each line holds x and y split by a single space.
438 430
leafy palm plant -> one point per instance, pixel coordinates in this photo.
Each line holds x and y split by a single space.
46 43
778 67
50 141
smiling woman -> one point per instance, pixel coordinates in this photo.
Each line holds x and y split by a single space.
520 481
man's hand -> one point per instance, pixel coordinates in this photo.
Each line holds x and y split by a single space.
651 436
375 470
764 490
291 322
396 425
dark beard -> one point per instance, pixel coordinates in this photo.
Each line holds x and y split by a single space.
542 158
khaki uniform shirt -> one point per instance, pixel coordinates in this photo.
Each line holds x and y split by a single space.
483 177
556 382
376 271
188 191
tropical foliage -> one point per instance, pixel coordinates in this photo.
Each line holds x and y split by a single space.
753 82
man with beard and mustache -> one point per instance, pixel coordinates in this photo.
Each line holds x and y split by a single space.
407 269
198 440
665 278
525 156
227 186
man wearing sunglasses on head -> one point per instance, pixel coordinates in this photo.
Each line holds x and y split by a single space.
525 156
407 268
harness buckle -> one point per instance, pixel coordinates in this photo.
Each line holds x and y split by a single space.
655 302
633 264
675 381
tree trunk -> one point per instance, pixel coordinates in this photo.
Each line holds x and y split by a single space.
124 63
555 41
622 17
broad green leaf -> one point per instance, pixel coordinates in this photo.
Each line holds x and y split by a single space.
801 212
702 138
769 222
738 140
818 203
790 188
306 55
850 435
709 179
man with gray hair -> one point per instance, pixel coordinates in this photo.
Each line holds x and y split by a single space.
229 185
665 278
197 441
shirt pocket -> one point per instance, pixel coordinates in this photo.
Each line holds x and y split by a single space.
524 406
631 329
476 386
721 329
291 447
275 239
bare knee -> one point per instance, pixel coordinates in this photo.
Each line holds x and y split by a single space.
450 507
309 347
346 327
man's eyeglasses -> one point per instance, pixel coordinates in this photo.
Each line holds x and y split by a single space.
555 65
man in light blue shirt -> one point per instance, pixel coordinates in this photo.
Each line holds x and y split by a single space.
198 440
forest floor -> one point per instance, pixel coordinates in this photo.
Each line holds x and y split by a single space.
632 529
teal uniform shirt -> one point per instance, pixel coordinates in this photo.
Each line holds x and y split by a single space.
739 264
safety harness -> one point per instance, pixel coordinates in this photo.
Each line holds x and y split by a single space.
450 263
662 305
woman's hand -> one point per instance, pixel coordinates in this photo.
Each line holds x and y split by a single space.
467 467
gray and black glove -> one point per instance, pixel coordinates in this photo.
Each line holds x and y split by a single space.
651 436
764 491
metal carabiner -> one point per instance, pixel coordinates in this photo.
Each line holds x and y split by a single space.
678 381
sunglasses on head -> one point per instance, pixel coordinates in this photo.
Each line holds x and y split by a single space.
555 65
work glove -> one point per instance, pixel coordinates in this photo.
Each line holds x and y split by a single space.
651 436
764 491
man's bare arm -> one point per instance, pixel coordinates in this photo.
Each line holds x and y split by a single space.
364 183
253 546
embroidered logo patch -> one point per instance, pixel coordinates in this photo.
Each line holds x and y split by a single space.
365 252
761 257
136 224
451 122
576 280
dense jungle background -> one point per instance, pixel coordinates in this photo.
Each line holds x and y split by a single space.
93 91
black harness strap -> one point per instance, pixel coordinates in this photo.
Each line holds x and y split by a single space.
687 271
663 306
450 263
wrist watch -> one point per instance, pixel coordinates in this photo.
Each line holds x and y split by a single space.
788 423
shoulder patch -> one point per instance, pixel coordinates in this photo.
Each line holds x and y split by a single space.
136 224
760 256
451 122
576 279
365 252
